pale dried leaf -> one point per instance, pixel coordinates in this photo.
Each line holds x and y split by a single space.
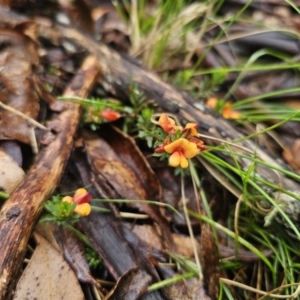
10 173
48 276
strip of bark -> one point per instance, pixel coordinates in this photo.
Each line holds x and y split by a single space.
21 211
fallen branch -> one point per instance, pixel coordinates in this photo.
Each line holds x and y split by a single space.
22 210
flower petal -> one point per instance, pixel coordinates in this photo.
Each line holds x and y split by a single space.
177 158
188 149
183 162
212 102
174 159
83 209
110 115
167 124
67 199
191 129
229 113
82 196
174 145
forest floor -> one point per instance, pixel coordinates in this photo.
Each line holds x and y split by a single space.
149 149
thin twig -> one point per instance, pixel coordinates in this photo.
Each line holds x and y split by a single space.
20 114
33 141
251 289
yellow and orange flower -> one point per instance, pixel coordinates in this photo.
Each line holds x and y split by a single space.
226 109
81 198
186 144
168 124
180 151
229 113
212 102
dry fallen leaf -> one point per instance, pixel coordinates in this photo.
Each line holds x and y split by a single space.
18 57
209 257
130 286
149 234
48 276
291 155
10 173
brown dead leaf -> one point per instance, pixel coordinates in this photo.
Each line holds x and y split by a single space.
130 286
110 27
209 257
291 155
10 173
79 13
188 289
13 149
122 165
130 154
18 56
119 164
191 288
148 234
47 276
63 240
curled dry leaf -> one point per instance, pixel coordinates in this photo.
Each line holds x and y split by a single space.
130 286
18 56
188 289
209 257
118 159
118 163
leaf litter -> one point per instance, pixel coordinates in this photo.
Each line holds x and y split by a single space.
113 165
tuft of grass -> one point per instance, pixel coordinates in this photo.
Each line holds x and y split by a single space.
161 33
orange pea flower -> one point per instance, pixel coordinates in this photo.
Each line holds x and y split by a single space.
110 115
192 135
180 150
229 113
212 102
168 124
81 198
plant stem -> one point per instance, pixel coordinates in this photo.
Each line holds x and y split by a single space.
4 196
80 235
188 222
